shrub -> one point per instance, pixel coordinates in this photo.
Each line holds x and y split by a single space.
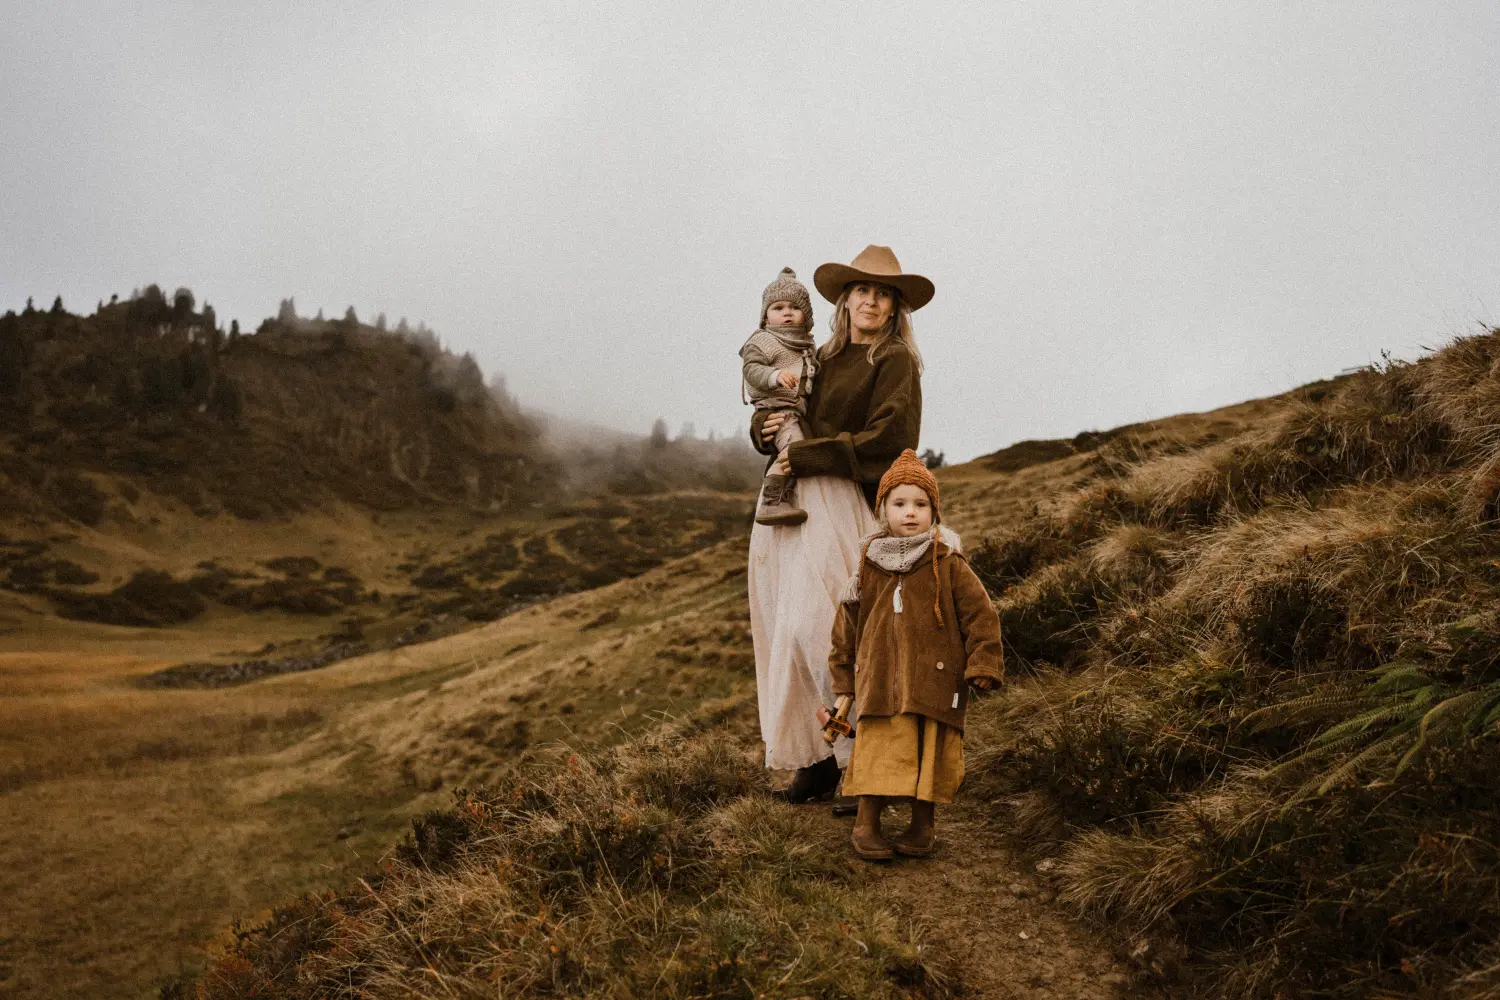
296 596
1050 618
77 497
1005 558
1134 560
150 598
1290 621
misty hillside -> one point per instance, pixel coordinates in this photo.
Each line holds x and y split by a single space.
154 468
150 394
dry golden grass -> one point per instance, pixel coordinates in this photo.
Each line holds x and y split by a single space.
131 822
1221 775
1135 558
140 822
655 870
1158 586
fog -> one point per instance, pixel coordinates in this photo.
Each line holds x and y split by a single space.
1128 209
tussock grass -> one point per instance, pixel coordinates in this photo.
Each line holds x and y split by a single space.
1134 559
657 868
1259 741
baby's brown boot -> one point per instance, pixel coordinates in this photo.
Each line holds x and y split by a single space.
777 502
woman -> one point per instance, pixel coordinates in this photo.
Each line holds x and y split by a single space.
864 410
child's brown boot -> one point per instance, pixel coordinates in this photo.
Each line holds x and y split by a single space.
778 502
920 839
868 842
870 846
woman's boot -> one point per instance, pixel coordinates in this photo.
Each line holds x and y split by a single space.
813 782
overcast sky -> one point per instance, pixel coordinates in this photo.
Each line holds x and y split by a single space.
1129 209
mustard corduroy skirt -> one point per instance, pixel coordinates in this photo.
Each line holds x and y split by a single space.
906 756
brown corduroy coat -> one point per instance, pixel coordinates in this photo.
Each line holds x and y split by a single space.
894 663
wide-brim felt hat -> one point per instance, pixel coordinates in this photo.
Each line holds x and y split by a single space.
873 264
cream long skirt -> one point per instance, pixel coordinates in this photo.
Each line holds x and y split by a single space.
795 576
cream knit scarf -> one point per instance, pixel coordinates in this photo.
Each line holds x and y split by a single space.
898 555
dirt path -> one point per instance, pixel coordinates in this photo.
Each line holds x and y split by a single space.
995 918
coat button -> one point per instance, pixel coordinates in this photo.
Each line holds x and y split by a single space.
940 664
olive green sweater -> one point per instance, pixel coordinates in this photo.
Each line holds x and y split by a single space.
861 416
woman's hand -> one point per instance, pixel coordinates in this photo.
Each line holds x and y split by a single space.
783 463
771 426
984 683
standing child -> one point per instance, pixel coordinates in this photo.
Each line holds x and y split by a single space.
778 367
914 630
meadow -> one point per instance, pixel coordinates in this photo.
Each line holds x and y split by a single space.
142 820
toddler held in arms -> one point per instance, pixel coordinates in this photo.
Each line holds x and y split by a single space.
914 630
778 367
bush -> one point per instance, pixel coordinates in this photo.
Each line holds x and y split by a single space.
77 497
150 598
296 596
1050 619
1003 559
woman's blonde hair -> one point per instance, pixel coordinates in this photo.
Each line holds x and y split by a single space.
897 328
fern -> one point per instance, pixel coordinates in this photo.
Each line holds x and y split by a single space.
1394 678
1307 708
1385 728
1302 762
1346 771
1359 724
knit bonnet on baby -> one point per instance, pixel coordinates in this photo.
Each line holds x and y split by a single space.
909 470
786 288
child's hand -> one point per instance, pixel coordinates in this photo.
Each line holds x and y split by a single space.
783 464
984 683
789 378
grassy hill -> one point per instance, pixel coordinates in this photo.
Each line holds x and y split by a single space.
217 549
1256 741
1249 737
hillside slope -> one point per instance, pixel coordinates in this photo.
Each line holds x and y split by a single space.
1253 735
1250 736
212 546
139 821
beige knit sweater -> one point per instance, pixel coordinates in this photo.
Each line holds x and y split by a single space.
764 355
